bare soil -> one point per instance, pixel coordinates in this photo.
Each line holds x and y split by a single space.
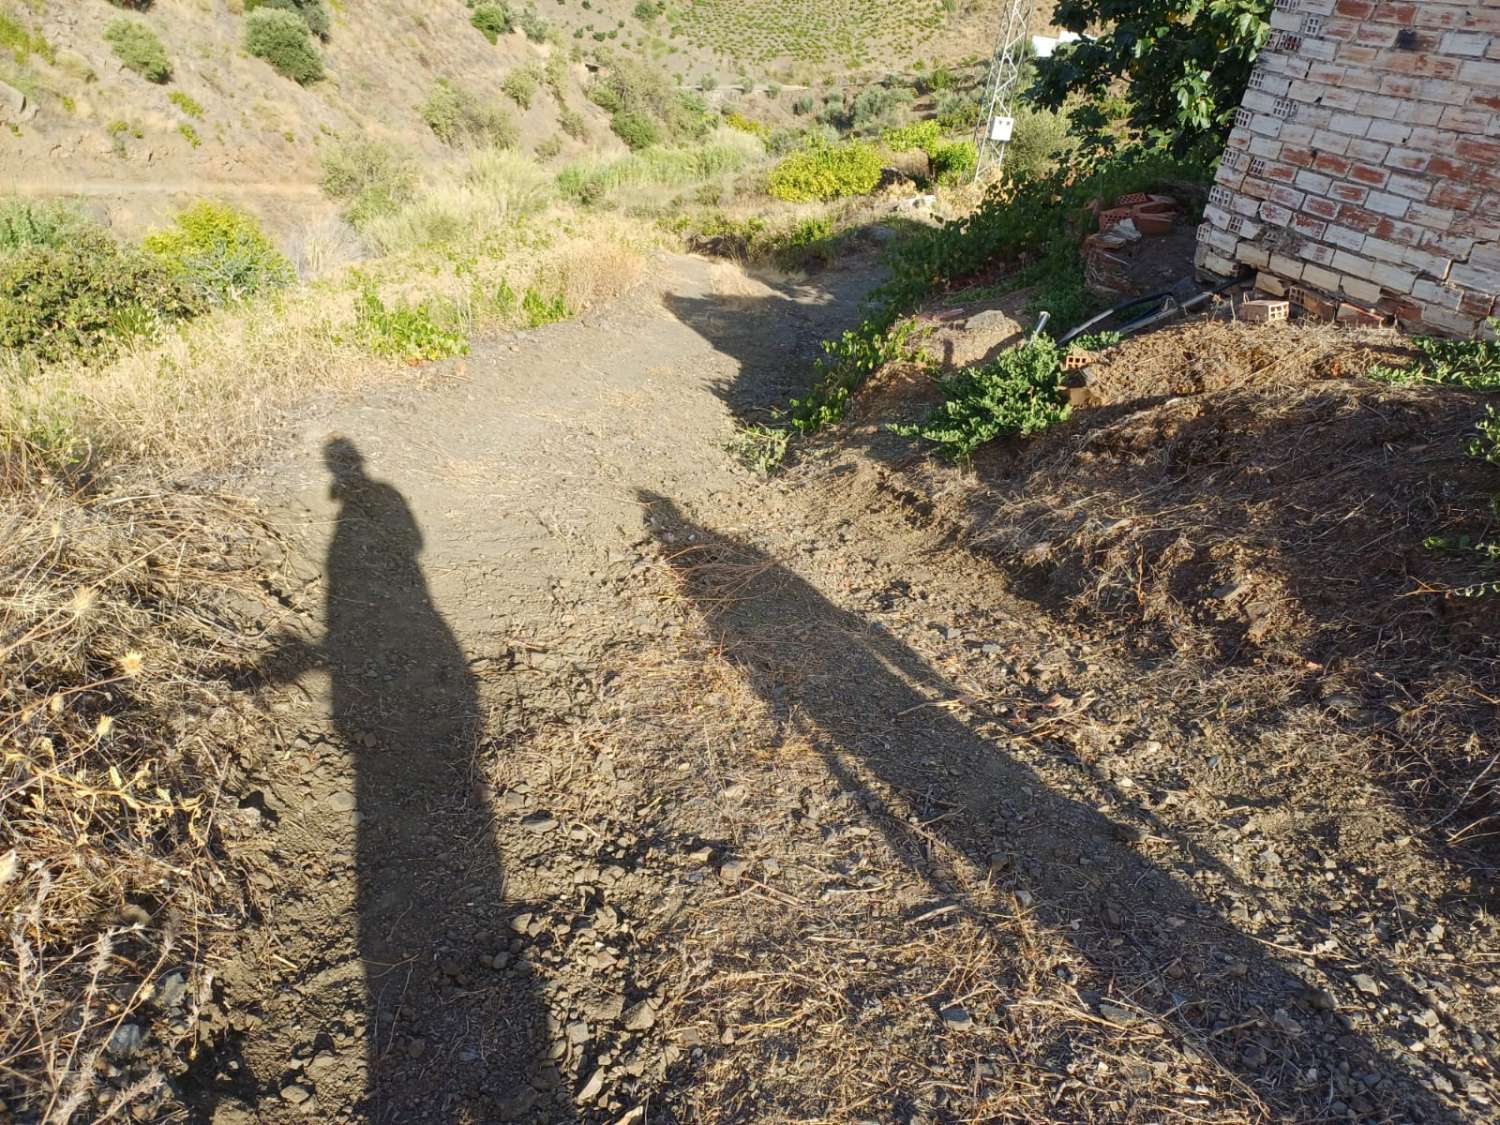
621 786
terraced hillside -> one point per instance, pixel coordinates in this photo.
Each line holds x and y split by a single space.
793 40
855 32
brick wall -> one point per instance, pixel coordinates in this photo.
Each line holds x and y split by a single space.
1365 162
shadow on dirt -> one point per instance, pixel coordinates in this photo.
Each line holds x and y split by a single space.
430 879
874 711
735 324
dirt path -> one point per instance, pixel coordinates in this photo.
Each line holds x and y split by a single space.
628 789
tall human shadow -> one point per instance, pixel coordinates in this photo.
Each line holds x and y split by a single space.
447 1037
866 702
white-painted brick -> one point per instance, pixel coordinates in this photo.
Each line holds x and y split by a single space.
1253 255
1393 278
1344 237
1440 296
1351 123
1319 278
1456 323
1471 44
1289 268
1391 131
1410 186
1383 204
1347 263
1270 283
1361 290
1314 182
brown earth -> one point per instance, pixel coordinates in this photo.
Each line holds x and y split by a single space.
618 785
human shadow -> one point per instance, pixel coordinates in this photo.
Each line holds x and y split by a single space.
874 710
451 1034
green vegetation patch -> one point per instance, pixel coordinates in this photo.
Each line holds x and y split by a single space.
420 332
370 178
1474 364
311 12
221 253
282 39
826 172
136 45
67 288
1015 395
458 115
492 20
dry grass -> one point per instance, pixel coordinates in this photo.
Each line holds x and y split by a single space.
124 621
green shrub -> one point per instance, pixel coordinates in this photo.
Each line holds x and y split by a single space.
824 173
189 134
635 88
572 123
413 332
311 12
137 46
282 39
533 25
520 86
26 223
457 116
85 294
637 130
922 135
952 163
1040 138
957 112
537 310
369 177
220 253
187 103
494 20
804 105
21 41
1015 395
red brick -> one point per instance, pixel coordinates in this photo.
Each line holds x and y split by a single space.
1485 152
1358 218
1365 174
1454 196
1301 157
1349 193
1333 165
1450 169
1322 208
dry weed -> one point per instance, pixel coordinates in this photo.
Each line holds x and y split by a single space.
125 620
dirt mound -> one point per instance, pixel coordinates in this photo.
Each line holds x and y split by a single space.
1239 499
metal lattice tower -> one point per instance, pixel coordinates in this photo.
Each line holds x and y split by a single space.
993 133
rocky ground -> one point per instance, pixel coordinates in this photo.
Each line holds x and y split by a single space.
624 786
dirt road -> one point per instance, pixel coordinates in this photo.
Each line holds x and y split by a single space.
629 788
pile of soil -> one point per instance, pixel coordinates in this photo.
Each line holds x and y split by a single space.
1241 497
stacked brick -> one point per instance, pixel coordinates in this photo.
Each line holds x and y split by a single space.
1364 166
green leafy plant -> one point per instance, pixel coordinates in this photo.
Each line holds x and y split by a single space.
760 448
311 12
136 45
520 86
25 223
844 365
190 134
1015 395
282 39
220 253
537 310
922 135
642 91
81 293
492 20
22 42
369 177
417 333
953 162
637 130
457 116
187 103
1184 65
1044 219
1474 364
826 172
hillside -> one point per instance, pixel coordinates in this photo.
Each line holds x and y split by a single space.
227 124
